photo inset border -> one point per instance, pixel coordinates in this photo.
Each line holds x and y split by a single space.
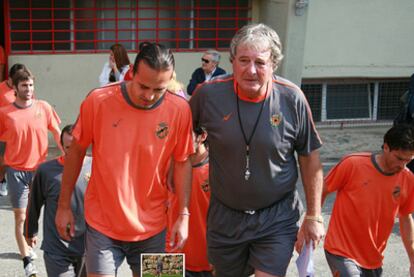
162 265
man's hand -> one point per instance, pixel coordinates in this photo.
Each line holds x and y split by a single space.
32 241
309 231
179 233
65 223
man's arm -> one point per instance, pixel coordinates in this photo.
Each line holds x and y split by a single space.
182 182
312 179
65 223
407 236
56 136
196 79
36 202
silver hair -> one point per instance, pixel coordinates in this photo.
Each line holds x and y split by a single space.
258 36
215 54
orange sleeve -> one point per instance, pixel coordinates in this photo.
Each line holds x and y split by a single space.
338 176
83 129
407 206
53 119
185 145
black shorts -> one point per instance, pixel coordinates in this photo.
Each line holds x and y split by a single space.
241 241
347 267
104 255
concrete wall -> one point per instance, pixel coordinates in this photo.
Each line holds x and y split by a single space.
280 15
353 38
65 80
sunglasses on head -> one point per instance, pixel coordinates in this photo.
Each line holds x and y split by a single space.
205 60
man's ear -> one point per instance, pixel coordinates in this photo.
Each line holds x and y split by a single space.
203 137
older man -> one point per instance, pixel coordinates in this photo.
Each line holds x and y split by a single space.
209 69
256 121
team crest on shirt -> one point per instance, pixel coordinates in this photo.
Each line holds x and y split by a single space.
162 130
275 120
38 112
396 192
205 186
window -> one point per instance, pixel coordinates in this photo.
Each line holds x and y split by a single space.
313 93
389 96
94 25
345 100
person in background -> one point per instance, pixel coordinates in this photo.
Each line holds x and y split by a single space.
406 114
209 69
136 129
176 86
115 69
372 189
24 139
159 267
256 124
7 96
62 258
195 249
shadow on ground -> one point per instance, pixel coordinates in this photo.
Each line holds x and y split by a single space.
5 203
10 256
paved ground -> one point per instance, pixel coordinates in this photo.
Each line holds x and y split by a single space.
337 142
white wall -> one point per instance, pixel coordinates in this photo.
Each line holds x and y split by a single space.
354 38
65 80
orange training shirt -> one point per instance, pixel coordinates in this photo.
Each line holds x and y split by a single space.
131 148
195 249
25 132
367 202
7 94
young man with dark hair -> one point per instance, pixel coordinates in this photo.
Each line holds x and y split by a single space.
136 128
7 97
371 191
61 258
23 135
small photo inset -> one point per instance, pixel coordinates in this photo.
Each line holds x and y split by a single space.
162 265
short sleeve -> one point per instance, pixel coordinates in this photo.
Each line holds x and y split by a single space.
184 146
307 139
407 206
83 128
339 175
195 101
53 120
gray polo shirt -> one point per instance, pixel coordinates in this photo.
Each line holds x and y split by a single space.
285 126
45 191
